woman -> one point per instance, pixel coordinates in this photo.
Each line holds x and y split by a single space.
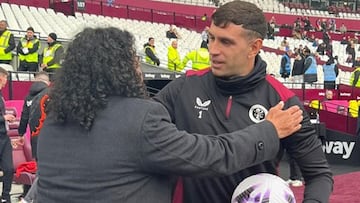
103 141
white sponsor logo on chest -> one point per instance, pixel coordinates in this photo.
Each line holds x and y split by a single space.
201 106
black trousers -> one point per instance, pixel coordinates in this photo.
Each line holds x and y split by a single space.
5 61
7 166
295 173
29 66
329 85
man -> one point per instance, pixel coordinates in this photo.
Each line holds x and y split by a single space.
354 78
52 54
31 109
343 29
172 33
331 71
236 93
150 52
174 61
112 144
200 58
297 71
32 114
7 43
6 159
27 50
310 66
204 37
285 66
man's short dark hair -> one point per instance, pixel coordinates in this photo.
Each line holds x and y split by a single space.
242 13
30 29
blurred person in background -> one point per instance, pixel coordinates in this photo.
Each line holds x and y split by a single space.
150 52
52 55
7 43
174 60
200 58
28 51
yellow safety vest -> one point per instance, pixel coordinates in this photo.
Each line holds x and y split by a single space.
352 77
49 53
316 104
354 108
33 57
147 58
4 44
174 62
200 59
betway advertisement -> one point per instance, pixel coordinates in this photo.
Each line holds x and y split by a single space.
342 148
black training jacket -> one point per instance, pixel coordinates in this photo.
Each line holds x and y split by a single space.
202 103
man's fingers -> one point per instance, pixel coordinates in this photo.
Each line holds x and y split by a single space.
294 109
279 106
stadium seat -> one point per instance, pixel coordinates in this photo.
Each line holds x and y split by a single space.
21 155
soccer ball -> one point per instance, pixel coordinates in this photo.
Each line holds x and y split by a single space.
263 188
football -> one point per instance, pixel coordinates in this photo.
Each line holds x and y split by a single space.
263 188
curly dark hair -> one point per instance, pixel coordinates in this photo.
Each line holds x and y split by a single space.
242 13
99 62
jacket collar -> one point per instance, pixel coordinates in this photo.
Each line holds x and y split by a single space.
242 84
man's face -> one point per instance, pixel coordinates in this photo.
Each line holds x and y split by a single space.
232 52
49 40
152 42
29 34
329 95
174 44
3 80
2 26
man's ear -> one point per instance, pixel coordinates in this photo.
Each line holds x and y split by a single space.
255 47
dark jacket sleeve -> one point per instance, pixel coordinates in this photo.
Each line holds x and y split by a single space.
166 150
305 147
19 48
168 95
336 69
150 54
356 78
35 48
24 117
307 63
57 56
3 131
283 63
11 44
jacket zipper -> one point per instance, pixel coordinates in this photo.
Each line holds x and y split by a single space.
228 107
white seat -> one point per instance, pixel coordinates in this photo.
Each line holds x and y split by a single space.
7 67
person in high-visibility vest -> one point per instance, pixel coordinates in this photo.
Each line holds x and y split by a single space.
174 61
52 55
150 52
354 78
200 58
27 50
285 67
7 43
331 71
310 67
